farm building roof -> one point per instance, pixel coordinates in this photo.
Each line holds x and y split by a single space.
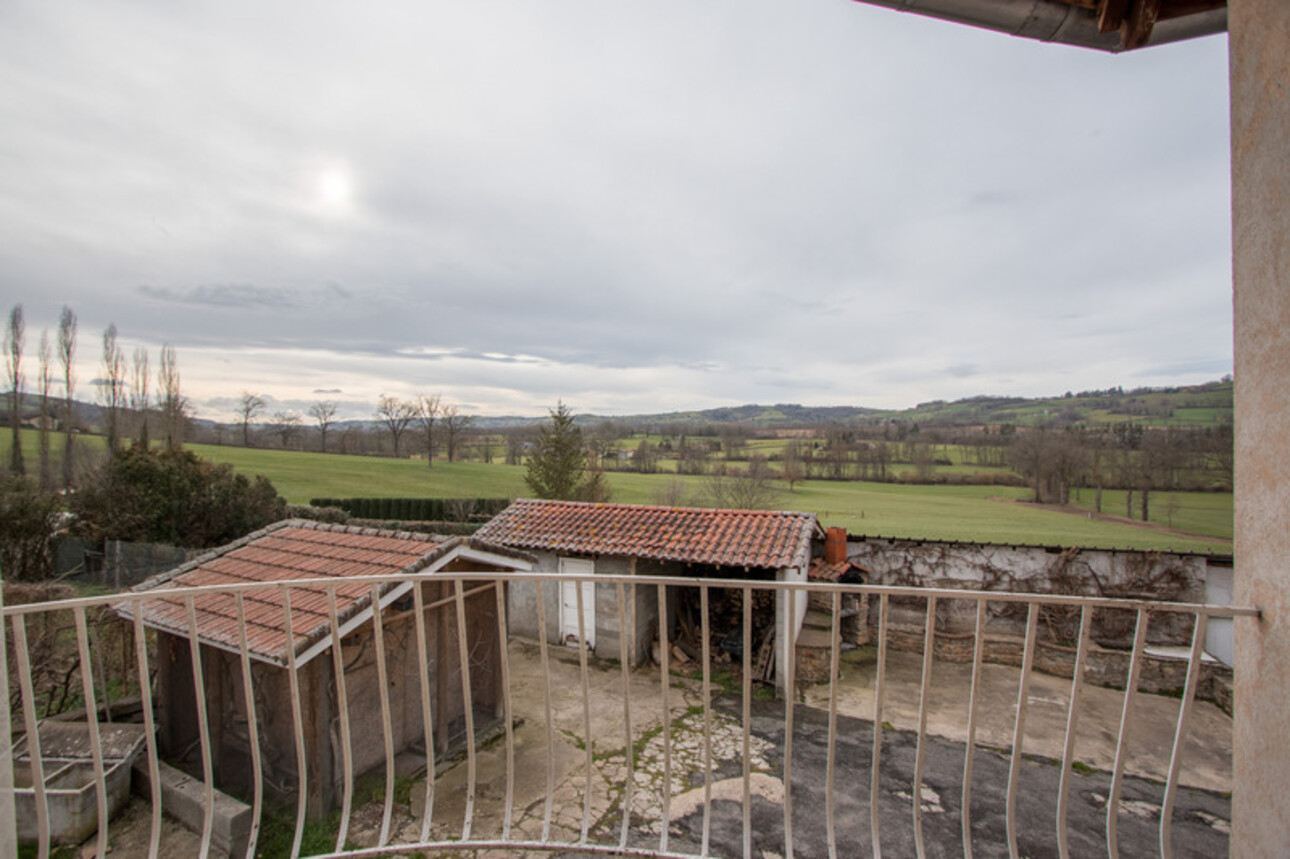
296 550
729 538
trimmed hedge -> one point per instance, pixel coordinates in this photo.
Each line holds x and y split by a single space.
416 509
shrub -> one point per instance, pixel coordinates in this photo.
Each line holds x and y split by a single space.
173 497
28 516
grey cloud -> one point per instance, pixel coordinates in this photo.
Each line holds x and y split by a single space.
226 295
858 197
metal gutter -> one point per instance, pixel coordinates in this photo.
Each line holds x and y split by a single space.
1056 21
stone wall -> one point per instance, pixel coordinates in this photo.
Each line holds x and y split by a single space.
1156 576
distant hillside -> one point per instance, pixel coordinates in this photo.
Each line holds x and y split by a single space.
1208 404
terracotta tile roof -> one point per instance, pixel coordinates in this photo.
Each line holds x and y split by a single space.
284 552
729 538
842 571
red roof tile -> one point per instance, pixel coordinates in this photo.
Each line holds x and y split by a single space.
287 551
728 538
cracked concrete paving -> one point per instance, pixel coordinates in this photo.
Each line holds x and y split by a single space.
1201 816
1207 749
1206 761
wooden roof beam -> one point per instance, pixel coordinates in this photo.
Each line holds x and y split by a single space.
1110 15
1136 28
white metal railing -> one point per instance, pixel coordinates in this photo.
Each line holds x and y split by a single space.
602 804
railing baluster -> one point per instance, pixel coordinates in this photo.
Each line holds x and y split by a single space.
835 672
8 812
747 719
790 694
505 681
586 713
342 707
664 646
203 727
1122 743
297 719
189 618
876 757
150 735
706 656
627 642
387 728
92 724
252 726
969 747
37 762
1072 721
920 756
1184 710
463 653
427 713
546 690
1019 728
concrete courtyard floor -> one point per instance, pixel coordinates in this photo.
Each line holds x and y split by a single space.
1200 817
1199 820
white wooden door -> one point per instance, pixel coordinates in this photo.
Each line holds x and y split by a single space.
569 603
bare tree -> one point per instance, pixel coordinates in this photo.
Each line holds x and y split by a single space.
141 396
112 388
428 411
249 405
13 339
66 357
174 406
645 459
752 488
1069 466
518 439
672 494
396 415
454 424
324 413
45 379
1031 455
286 425
792 465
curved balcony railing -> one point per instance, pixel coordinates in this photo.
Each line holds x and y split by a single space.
555 750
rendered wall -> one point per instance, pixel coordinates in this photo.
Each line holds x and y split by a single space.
1259 46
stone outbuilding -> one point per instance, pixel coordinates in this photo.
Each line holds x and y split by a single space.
584 539
296 550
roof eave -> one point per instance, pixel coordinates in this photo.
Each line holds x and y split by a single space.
1063 23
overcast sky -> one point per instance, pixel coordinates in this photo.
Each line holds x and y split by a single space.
635 207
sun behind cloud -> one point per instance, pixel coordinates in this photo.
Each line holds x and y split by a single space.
333 188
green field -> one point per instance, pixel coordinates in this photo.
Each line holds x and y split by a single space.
1200 512
969 513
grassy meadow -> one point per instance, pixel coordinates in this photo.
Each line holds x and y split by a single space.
976 513
972 513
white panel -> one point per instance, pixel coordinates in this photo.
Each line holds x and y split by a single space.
569 602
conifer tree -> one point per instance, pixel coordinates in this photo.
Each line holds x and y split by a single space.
559 467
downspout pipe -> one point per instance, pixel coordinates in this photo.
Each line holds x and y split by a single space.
1055 21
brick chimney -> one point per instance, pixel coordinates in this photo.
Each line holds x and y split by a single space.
835 546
